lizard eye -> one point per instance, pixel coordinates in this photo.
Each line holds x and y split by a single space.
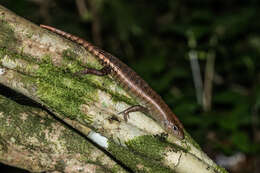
175 128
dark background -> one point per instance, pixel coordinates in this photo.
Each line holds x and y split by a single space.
162 40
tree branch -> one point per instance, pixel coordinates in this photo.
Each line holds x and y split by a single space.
33 140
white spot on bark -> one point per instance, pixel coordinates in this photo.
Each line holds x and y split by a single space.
2 71
98 139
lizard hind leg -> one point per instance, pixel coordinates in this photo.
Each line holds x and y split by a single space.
134 108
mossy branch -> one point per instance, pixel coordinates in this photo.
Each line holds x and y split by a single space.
33 140
42 66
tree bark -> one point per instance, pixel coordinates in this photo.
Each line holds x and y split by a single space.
32 139
42 65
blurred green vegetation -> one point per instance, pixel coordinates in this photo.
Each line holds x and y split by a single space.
155 38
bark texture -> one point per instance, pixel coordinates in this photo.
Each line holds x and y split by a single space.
32 139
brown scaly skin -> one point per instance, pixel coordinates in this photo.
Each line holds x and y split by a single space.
129 80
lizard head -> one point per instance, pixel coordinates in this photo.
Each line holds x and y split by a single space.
174 129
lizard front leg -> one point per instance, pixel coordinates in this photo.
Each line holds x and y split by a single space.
134 108
102 72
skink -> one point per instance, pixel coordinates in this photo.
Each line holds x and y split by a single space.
132 82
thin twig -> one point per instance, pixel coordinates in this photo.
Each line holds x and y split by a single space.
196 75
209 75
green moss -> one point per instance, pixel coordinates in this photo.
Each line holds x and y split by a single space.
104 83
116 168
87 61
75 143
155 149
7 36
116 96
60 99
70 61
134 161
191 140
62 91
30 127
68 54
4 52
129 100
7 106
3 145
46 59
29 34
78 144
220 169
60 165
18 61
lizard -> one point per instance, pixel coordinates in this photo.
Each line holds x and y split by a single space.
152 103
